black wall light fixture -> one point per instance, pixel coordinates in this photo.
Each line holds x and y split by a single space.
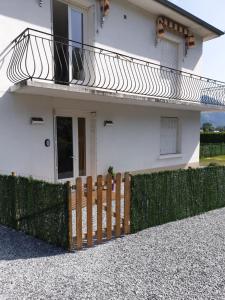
41 3
37 121
108 123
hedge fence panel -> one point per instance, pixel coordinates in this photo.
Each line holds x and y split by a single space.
163 197
211 137
38 208
210 150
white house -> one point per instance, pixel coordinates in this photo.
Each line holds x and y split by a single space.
88 84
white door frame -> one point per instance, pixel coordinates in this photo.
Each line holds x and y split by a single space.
74 115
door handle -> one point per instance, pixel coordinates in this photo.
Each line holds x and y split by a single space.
73 157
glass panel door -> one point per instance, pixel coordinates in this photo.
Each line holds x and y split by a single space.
61 35
71 147
65 151
77 36
82 146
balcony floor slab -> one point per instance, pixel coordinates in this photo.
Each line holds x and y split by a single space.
49 89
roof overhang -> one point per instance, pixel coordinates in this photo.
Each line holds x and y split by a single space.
163 7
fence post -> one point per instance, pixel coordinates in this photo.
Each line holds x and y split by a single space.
79 196
109 207
69 207
99 209
89 212
127 194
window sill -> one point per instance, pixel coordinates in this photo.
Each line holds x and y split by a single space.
168 156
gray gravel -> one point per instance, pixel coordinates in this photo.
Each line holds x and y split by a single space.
180 260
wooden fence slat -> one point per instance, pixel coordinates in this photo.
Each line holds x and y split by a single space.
69 206
109 207
118 200
127 204
99 208
79 212
89 212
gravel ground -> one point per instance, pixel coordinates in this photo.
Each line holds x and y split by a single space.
179 260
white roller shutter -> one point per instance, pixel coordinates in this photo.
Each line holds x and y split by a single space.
168 136
169 54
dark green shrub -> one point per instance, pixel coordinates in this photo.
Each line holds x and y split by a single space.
213 164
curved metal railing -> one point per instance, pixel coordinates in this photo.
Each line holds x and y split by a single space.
39 55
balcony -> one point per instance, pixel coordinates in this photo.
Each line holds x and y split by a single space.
38 56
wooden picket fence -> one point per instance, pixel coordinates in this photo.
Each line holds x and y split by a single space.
82 197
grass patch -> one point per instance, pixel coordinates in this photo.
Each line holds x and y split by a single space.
220 160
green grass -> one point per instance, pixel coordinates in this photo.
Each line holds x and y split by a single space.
220 160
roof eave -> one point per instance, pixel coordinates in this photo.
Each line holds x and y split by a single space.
216 32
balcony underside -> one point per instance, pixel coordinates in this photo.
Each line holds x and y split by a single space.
49 89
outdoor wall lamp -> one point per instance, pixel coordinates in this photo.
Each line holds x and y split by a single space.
41 3
37 121
108 123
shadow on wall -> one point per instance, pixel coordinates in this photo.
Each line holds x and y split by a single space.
26 11
136 35
17 245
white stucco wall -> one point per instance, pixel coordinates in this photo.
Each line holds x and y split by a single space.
135 35
15 17
132 143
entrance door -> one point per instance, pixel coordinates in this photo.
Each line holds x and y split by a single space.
71 154
65 147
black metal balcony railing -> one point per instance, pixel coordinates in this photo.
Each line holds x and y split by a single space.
38 55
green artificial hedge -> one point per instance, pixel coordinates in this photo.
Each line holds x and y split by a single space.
209 150
211 137
163 197
38 208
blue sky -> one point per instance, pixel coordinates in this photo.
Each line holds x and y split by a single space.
213 12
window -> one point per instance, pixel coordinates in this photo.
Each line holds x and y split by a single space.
169 136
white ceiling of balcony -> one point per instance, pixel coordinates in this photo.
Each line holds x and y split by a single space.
157 8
